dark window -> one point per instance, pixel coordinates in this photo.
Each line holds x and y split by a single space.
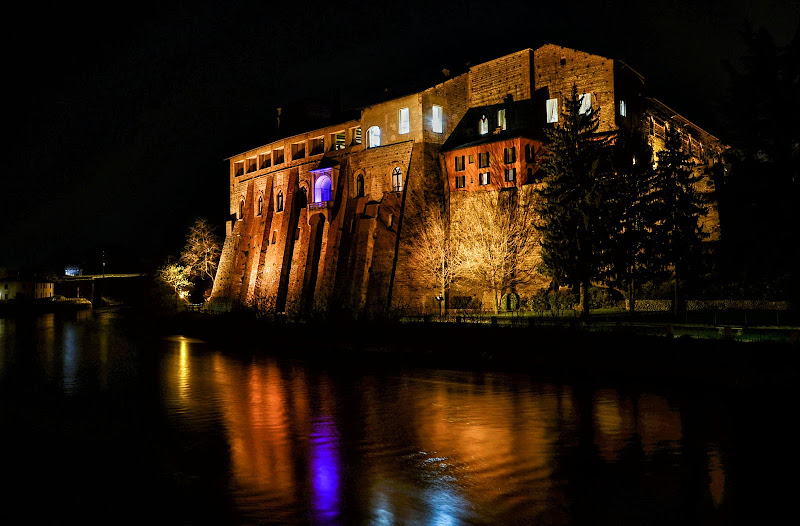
460 181
483 160
471 159
260 205
459 163
528 152
279 203
316 146
360 185
241 209
278 156
510 155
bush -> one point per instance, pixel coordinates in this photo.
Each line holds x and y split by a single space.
603 298
465 302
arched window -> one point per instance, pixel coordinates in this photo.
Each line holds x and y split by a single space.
279 203
360 185
397 180
483 125
322 189
373 137
260 204
241 209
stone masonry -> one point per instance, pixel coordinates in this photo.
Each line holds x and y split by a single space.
317 219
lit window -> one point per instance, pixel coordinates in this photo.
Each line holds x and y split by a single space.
322 189
252 164
501 119
471 159
586 103
277 156
397 180
260 205
483 125
279 205
459 163
373 137
337 141
552 110
404 127
238 167
483 178
438 119
510 155
359 185
460 181
357 135
511 175
483 160
623 108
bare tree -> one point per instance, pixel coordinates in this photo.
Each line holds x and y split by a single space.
495 240
177 277
202 251
432 256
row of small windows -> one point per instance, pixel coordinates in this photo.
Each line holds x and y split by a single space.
509 156
323 191
509 176
483 123
316 146
337 141
586 105
404 125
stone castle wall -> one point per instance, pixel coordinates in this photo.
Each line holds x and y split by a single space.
353 252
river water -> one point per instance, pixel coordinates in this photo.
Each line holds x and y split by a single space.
103 422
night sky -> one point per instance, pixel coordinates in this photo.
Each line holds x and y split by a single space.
121 118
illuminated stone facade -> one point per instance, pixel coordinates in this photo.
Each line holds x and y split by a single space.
317 218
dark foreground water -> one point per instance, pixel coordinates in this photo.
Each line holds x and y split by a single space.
102 422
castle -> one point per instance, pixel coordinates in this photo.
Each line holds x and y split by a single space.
317 218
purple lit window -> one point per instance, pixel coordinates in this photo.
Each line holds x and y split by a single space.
322 189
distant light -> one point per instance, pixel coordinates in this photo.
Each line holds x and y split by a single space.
73 271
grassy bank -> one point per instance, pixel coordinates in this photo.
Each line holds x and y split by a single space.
554 349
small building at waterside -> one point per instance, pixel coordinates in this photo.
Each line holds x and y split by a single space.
25 289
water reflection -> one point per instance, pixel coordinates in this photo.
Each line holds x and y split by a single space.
427 447
251 439
325 470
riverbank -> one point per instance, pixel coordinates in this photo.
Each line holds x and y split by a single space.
41 306
547 350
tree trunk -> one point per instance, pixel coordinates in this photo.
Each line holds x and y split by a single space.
631 299
584 300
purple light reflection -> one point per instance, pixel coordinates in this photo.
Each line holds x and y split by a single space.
325 483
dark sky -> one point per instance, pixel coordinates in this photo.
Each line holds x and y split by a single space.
121 117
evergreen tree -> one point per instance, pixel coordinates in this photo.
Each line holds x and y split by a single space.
678 236
575 186
630 215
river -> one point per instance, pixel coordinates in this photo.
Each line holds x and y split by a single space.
103 421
